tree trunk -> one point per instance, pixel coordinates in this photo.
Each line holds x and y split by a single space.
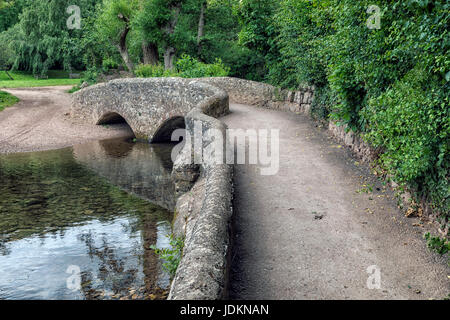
123 49
201 28
169 28
150 51
169 56
9 76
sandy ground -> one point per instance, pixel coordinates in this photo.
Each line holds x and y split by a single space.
41 121
309 232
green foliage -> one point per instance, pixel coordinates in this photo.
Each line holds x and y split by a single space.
438 245
109 25
9 12
7 100
411 122
171 256
41 40
255 18
38 40
150 71
152 19
258 33
220 41
6 52
391 84
303 27
109 64
91 75
74 89
189 67
186 67
324 98
96 46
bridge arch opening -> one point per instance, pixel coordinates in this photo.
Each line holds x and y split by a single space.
111 118
164 132
114 118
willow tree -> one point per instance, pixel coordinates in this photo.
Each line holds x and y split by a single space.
157 23
148 22
9 12
41 39
6 55
114 24
40 33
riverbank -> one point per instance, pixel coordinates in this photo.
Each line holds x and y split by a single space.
26 80
41 121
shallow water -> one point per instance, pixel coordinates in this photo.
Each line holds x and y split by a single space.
78 223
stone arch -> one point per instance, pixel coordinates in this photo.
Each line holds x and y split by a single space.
165 130
112 117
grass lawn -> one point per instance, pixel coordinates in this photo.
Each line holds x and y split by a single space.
7 100
24 80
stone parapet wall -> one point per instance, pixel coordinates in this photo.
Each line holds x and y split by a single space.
264 95
203 215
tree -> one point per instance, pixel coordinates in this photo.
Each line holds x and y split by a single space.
148 24
167 25
258 32
10 11
41 39
201 26
6 55
114 25
169 30
41 33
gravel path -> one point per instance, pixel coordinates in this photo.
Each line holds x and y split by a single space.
41 121
311 232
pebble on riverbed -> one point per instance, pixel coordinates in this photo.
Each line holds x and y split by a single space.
130 294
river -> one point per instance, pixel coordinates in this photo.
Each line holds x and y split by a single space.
78 223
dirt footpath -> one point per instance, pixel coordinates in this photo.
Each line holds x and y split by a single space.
313 230
41 121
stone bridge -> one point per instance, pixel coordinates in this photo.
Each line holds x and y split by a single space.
153 108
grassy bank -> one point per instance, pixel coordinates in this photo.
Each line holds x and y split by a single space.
25 80
7 100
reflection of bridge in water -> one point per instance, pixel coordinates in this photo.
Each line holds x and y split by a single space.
140 168
58 212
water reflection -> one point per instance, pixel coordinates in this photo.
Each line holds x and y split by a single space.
142 169
57 212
